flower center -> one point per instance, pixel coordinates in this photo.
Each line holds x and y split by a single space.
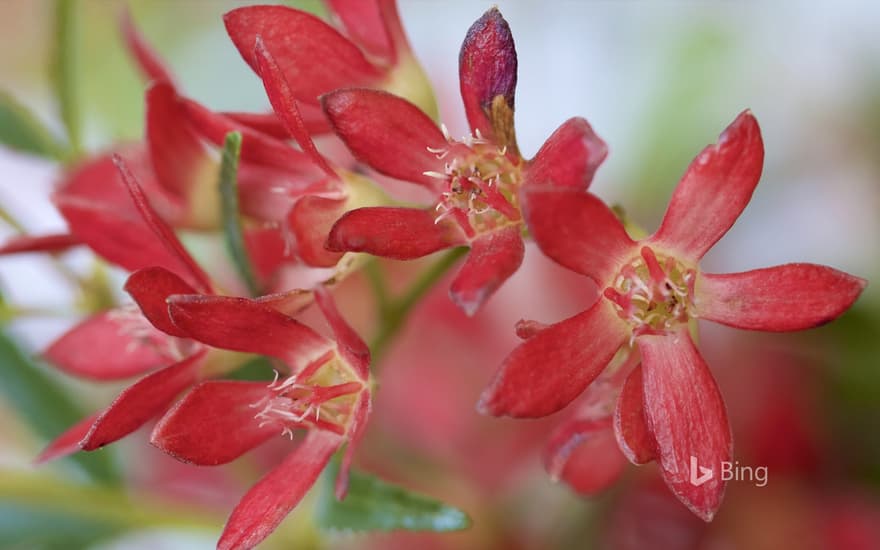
323 396
654 294
480 183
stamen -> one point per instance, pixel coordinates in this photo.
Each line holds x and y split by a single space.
652 293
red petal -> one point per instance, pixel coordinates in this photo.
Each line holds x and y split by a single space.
269 123
585 455
493 258
578 231
150 287
781 298
264 506
313 56
547 371
288 303
215 423
97 179
268 250
310 220
630 425
240 324
68 442
399 233
714 191
355 433
116 234
163 233
143 401
487 68
255 146
40 243
387 132
180 160
686 415
101 348
350 344
285 104
363 22
569 157
150 64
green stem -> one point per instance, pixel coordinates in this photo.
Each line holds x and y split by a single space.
396 311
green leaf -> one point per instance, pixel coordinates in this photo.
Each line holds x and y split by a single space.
229 203
64 69
374 505
21 130
45 406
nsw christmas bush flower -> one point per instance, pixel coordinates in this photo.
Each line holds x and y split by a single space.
326 391
669 409
476 181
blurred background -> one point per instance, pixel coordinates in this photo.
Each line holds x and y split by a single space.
658 81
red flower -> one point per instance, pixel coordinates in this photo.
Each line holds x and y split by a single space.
288 191
670 409
317 58
476 180
135 342
326 392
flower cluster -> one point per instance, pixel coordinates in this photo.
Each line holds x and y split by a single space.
646 394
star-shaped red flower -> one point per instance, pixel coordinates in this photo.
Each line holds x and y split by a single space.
669 409
476 180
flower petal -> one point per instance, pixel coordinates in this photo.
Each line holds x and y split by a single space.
215 423
686 415
148 61
297 39
264 506
150 287
577 230
269 123
162 231
180 159
493 258
781 298
310 219
143 401
391 232
363 22
352 346
255 146
118 236
569 157
630 425
584 454
356 431
285 104
387 132
39 243
714 190
240 324
103 347
547 371
68 442
487 69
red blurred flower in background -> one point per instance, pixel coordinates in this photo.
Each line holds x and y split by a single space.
669 409
476 180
